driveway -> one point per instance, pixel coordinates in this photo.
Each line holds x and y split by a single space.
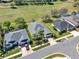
67 47
26 52
52 41
75 33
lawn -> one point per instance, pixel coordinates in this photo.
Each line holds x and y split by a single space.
54 55
42 46
32 11
11 52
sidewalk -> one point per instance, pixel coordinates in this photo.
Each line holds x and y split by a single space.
63 37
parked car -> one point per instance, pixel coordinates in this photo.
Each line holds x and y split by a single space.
27 46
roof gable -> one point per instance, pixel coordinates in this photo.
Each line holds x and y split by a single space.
39 27
16 36
35 26
61 25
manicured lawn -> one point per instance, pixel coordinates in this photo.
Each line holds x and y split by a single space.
17 56
11 52
55 55
32 11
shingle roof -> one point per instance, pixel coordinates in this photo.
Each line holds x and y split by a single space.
16 36
77 17
62 25
35 26
73 20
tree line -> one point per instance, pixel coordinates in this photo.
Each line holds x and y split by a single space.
31 2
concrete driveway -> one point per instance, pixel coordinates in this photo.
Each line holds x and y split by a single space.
67 47
52 41
74 33
26 52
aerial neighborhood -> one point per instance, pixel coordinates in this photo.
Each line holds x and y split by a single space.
39 29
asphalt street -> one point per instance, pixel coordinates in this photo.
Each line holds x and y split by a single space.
67 47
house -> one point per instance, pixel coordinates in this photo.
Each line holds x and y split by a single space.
6 0
35 27
73 20
62 25
16 38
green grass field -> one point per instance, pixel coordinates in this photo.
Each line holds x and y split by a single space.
32 11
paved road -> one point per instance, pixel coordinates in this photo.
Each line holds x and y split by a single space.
67 47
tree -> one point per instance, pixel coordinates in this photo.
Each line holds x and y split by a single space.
21 2
6 25
39 37
47 18
76 4
13 5
1 41
63 0
18 2
55 13
63 11
21 23
73 13
36 39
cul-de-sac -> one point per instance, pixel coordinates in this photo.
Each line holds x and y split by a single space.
39 29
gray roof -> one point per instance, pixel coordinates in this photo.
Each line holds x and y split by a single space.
34 27
73 20
6 0
62 25
16 36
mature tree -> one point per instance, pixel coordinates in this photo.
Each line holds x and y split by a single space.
21 2
55 13
73 13
63 0
21 23
47 18
6 25
63 11
1 41
39 37
76 4
13 5
18 2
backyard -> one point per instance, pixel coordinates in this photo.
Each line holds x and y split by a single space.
32 11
